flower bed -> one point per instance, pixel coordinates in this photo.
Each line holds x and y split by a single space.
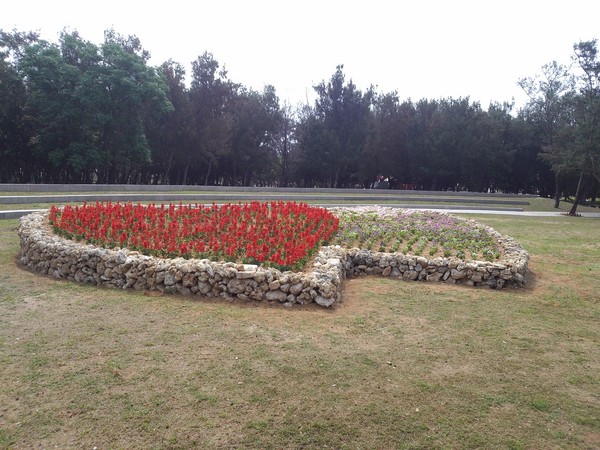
44 251
503 261
414 232
283 235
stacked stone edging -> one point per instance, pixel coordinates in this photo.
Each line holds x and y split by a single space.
45 252
511 269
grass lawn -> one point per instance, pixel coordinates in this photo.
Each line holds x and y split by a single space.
396 365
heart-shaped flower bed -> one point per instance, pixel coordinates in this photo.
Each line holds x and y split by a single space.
279 234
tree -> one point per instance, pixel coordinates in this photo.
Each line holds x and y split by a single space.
344 112
286 143
15 123
587 119
61 99
461 141
211 94
310 168
131 90
388 140
426 147
549 109
90 106
528 172
253 146
171 135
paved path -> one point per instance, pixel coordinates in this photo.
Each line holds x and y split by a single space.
15 214
504 211
517 213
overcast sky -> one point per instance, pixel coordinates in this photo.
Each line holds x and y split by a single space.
421 49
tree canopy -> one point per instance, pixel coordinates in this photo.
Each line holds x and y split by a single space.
77 112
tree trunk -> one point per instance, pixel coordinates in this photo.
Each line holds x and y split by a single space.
208 172
168 170
556 192
578 195
337 176
284 156
112 173
186 170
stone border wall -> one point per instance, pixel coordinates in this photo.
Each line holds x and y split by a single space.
45 252
510 270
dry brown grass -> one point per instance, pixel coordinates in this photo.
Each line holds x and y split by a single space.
396 365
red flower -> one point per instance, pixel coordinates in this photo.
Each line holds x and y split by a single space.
278 233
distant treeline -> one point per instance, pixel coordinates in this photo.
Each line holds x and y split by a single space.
77 112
